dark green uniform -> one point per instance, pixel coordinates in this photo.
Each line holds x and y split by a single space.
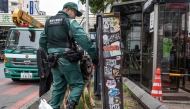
54 39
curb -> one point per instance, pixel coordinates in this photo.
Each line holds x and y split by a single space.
145 99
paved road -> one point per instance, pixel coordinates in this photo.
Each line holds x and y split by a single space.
15 94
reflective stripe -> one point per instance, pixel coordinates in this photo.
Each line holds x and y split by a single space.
156 92
156 84
19 56
72 20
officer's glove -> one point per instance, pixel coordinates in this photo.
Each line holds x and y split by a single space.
95 61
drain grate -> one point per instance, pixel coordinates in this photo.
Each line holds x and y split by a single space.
181 98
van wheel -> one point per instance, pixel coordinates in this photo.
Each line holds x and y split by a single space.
15 79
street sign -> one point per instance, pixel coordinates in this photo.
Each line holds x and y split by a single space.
151 22
31 7
108 32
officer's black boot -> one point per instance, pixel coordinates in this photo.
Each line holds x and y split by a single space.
70 104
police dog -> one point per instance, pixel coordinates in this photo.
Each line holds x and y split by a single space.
86 69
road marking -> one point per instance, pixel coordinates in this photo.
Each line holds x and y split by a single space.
5 81
18 89
20 103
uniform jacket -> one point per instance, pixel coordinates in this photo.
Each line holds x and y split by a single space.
78 34
43 69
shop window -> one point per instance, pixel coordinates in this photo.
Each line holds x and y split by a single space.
131 28
172 40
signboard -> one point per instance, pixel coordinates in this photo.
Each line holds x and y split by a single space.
3 6
31 7
178 6
26 6
151 22
110 60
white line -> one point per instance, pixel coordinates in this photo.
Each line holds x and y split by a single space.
19 56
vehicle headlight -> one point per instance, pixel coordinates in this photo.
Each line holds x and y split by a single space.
8 71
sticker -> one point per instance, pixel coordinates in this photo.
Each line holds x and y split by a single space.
106 30
115 52
107 54
106 25
110 62
105 40
114 37
111 84
117 100
111 24
111 100
118 79
113 92
114 24
114 106
111 48
107 71
117 66
118 57
116 72
114 100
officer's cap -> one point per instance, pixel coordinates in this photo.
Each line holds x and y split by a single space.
73 6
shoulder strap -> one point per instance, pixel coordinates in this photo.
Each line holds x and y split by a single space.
72 40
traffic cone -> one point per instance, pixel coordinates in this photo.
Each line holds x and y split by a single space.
157 86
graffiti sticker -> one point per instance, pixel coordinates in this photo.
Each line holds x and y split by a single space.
118 57
116 72
115 52
111 48
117 100
114 100
108 71
111 84
114 106
106 54
114 24
106 25
105 40
114 37
118 79
111 24
117 66
113 92
110 62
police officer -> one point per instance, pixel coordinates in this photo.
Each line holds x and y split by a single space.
54 38
44 72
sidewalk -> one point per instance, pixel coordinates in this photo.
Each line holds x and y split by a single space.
138 96
128 100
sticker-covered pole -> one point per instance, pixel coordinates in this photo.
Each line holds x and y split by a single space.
110 61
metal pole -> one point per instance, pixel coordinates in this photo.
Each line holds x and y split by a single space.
87 15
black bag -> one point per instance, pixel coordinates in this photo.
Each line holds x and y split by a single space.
52 60
73 56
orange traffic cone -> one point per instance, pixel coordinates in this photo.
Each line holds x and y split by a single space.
157 86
